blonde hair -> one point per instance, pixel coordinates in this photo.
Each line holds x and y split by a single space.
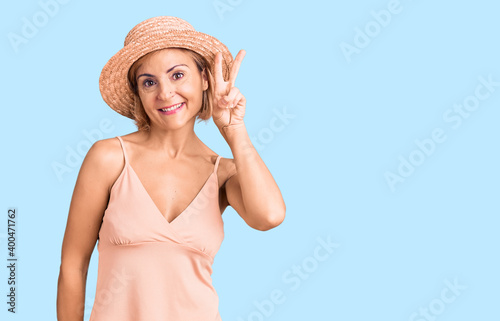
141 119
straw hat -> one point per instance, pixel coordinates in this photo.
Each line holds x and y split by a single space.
150 35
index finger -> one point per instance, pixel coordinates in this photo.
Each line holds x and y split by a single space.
236 66
218 68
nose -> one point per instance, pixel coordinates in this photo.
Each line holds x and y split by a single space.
166 91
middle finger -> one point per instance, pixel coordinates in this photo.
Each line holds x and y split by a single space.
236 66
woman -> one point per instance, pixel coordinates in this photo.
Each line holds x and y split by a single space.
139 195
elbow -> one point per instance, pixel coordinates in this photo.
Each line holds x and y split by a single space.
274 220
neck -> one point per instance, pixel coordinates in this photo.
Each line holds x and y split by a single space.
173 143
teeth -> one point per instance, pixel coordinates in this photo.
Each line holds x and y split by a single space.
172 108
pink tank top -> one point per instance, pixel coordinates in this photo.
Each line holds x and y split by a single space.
153 270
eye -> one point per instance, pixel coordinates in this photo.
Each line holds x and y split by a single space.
148 83
178 73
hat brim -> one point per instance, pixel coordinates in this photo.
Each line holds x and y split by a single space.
113 81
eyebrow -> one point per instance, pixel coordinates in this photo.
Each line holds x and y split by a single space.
149 75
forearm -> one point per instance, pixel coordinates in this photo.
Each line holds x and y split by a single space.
71 295
258 186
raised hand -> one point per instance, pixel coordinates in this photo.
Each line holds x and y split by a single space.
229 103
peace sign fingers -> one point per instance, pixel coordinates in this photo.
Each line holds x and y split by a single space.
229 101
236 66
219 79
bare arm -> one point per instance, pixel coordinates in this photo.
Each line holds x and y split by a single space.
252 190
88 203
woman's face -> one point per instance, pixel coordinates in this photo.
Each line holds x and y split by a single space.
166 79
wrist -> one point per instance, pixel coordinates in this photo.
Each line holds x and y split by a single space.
233 132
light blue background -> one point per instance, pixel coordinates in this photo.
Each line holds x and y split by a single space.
352 120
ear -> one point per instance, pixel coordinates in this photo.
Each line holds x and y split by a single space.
204 79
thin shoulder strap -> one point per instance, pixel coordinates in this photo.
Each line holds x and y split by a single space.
123 147
217 163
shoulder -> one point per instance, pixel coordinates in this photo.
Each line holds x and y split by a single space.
105 157
105 150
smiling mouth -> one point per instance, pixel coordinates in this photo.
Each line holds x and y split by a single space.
173 107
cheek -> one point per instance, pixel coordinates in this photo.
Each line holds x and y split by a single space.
190 90
147 101
144 98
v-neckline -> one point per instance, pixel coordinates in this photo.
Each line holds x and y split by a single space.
154 204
